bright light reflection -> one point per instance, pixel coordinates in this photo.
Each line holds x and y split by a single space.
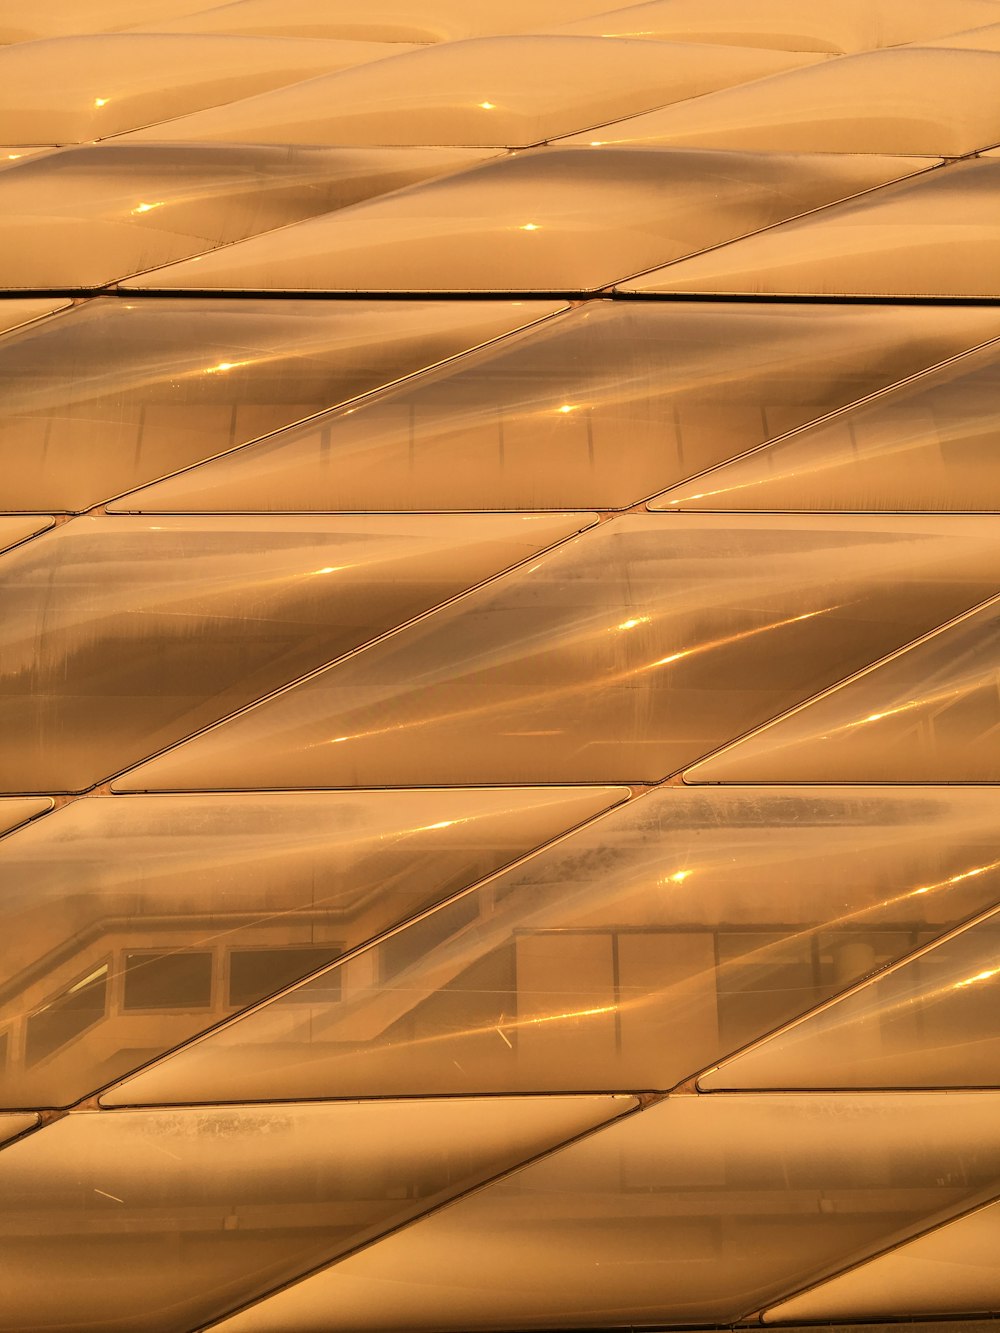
567 407
147 208
100 101
223 366
736 638
980 976
558 1018
957 879
633 621
487 106
530 226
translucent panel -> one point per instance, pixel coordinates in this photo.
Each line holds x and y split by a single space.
506 91
14 313
599 408
630 955
917 100
123 636
12 1125
929 714
85 216
928 445
198 906
72 89
17 811
568 219
930 1022
937 235
155 1221
854 25
391 20
950 1270
696 1210
123 391
624 657
14 530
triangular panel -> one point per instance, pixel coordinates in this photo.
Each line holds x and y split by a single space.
16 811
935 236
931 444
930 1022
951 1270
14 530
930 713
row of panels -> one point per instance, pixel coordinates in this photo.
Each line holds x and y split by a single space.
931 98
855 25
642 220
213 405
498 941
242 652
693 1208
275 217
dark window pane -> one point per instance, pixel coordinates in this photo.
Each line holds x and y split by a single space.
67 1016
168 980
254 973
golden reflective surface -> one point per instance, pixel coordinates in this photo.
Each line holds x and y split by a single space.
930 1022
500 91
122 636
418 421
631 954
951 1268
624 656
553 219
118 392
603 407
133 924
936 235
84 216
916 100
929 444
929 714
253 1196
697 1208
75 89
